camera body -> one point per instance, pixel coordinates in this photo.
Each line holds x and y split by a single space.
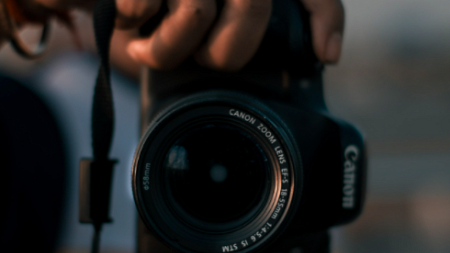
238 162
315 159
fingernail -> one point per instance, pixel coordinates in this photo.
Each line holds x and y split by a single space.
333 49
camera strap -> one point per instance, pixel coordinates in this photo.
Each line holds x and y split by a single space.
96 172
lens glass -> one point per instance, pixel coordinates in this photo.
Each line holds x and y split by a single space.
216 173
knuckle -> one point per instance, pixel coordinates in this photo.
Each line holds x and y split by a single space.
255 6
134 11
200 12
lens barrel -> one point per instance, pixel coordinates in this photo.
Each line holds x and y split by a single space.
217 172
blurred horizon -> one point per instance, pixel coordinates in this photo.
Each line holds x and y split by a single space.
393 81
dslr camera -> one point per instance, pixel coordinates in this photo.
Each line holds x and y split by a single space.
250 161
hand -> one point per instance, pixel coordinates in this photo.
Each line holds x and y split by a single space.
224 41
229 42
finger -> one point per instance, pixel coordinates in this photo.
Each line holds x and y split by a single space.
178 35
134 13
327 23
237 34
119 57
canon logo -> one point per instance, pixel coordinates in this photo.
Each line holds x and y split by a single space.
351 155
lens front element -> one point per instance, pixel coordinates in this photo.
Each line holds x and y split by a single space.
216 173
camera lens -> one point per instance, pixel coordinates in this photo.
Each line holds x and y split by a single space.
216 173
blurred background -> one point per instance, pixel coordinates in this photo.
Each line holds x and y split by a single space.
393 81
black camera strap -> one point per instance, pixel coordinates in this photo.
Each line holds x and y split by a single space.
96 173
102 109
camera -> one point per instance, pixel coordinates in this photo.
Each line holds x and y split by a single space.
250 161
